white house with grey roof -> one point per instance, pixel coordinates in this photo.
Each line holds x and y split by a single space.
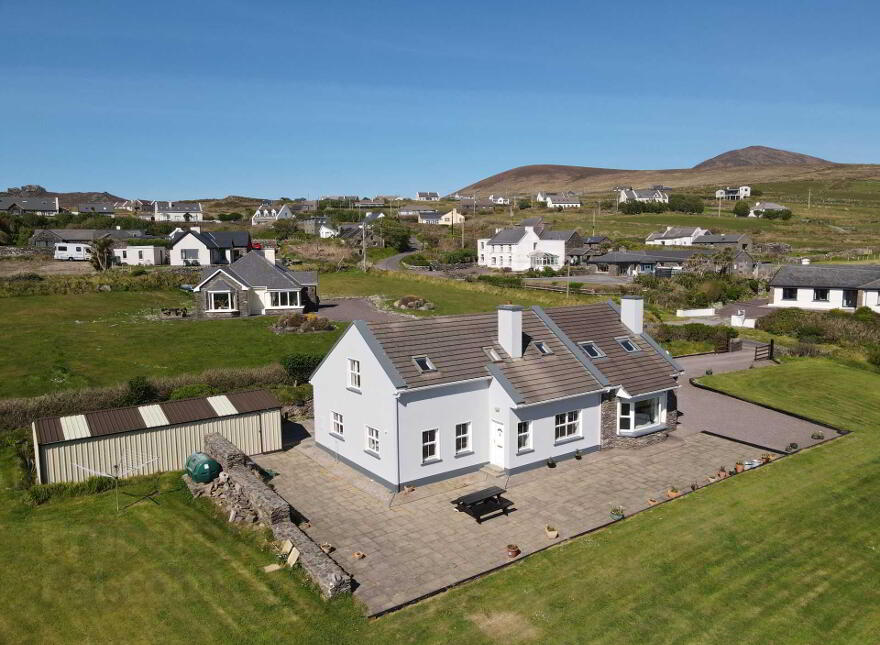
256 285
415 401
46 206
760 208
531 245
642 195
676 236
733 194
174 212
193 247
268 213
826 286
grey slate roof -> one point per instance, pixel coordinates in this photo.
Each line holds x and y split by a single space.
89 234
254 270
178 207
532 221
508 235
556 235
721 238
28 203
768 206
217 239
861 276
455 345
646 257
595 239
673 232
96 207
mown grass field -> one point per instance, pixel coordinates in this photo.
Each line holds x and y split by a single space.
60 342
789 553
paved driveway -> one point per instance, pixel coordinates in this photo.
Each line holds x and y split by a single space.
348 309
702 410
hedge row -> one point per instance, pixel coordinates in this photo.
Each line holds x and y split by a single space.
17 413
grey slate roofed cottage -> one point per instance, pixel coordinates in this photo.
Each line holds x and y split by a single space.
828 276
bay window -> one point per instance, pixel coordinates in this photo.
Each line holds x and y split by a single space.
220 301
643 414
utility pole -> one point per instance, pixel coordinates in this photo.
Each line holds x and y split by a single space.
719 207
809 197
364 245
594 220
568 281
462 228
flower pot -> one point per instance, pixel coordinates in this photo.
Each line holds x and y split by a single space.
616 516
551 532
765 459
722 474
512 550
672 494
740 468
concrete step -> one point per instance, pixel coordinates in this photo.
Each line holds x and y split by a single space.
492 471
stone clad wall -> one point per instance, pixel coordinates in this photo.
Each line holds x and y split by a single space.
609 437
245 492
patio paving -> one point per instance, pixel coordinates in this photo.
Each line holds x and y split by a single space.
417 544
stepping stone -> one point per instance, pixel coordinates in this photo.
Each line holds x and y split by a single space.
269 568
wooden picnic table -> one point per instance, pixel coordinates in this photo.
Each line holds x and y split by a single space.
483 502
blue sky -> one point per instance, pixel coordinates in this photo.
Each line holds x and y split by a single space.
173 100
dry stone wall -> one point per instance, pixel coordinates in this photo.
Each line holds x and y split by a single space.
241 491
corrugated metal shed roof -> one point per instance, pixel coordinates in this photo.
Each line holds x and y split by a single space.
128 419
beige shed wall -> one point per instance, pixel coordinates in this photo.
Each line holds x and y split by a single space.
171 445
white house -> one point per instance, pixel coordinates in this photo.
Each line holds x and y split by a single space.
556 200
731 194
174 212
450 218
255 285
826 286
642 195
528 246
270 213
141 255
428 197
759 208
192 247
500 200
676 236
416 401
46 206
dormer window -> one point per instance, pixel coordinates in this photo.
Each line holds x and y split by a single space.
424 364
628 345
591 349
541 346
493 354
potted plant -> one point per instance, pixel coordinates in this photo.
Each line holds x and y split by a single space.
792 447
672 493
740 466
616 513
578 454
551 463
512 550
722 472
818 435
551 532
766 457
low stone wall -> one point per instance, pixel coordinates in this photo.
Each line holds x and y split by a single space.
25 252
240 489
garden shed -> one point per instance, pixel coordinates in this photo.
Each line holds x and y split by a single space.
163 434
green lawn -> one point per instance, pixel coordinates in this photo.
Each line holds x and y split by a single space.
450 296
60 342
789 553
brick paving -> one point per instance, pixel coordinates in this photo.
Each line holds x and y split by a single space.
417 544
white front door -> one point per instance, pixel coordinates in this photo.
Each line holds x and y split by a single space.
496 444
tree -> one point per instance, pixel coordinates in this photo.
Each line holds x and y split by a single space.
742 209
102 253
394 233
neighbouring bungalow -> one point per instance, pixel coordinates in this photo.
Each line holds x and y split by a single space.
633 263
530 245
48 237
827 286
370 203
499 200
146 255
416 401
318 225
591 246
733 194
676 236
192 247
256 285
98 208
356 235
554 200
427 197
760 208
734 241
642 195
449 218
45 206
174 212
268 213
134 205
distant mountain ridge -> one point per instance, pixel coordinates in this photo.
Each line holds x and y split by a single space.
752 164
759 156
65 200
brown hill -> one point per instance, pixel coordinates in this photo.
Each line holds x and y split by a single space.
755 164
759 156
65 200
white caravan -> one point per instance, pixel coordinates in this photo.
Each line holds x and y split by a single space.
72 251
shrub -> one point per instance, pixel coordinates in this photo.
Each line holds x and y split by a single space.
460 256
315 323
140 390
294 394
230 217
191 391
417 260
510 281
116 280
299 365
138 271
874 355
741 209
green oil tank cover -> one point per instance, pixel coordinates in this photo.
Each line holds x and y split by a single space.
202 468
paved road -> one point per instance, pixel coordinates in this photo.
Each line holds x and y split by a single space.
594 278
702 410
393 263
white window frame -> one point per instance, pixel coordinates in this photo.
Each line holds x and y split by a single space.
211 303
630 417
277 292
524 429
434 446
337 425
184 252
827 297
354 374
594 345
467 447
371 440
571 428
